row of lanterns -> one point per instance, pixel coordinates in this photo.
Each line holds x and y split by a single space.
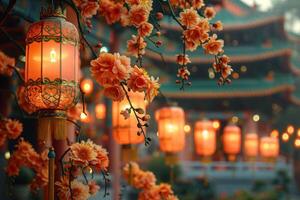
171 134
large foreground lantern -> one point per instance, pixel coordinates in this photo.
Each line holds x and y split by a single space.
171 134
232 141
51 70
251 145
205 138
269 148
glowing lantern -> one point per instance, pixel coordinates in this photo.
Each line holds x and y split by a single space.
298 132
269 147
125 130
87 86
51 70
170 129
232 141
100 111
205 138
251 145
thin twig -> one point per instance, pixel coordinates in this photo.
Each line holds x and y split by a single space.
9 8
73 6
174 16
139 124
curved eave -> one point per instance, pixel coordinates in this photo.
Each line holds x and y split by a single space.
293 38
234 58
238 89
235 26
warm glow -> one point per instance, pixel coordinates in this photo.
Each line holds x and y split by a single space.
53 56
298 132
275 133
285 137
256 117
269 147
216 124
290 129
205 138
251 145
83 116
187 128
170 129
52 64
232 140
87 86
235 119
100 111
297 143
7 155
125 130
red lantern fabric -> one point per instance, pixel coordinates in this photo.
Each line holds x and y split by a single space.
232 140
171 129
269 147
251 145
205 138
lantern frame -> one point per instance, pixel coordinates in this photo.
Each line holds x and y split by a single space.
52 96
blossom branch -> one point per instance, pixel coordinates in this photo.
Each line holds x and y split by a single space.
73 6
174 16
138 119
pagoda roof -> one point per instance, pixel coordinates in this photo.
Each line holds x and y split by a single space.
237 54
242 88
235 14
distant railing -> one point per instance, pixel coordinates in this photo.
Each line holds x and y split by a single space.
238 170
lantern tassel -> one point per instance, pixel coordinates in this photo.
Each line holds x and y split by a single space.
52 127
129 153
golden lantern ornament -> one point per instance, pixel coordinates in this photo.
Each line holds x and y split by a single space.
232 141
269 148
171 133
251 146
125 130
205 139
51 70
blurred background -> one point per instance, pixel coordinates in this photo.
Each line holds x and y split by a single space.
241 141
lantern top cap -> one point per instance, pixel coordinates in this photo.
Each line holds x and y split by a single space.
52 12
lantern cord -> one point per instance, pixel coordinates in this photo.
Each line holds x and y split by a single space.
20 47
83 102
10 6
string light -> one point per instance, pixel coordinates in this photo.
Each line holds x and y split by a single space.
216 124
290 129
256 117
285 137
187 128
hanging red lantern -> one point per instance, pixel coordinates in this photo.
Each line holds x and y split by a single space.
205 138
269 148
170 129
125 130
251 145
232 141
51 70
